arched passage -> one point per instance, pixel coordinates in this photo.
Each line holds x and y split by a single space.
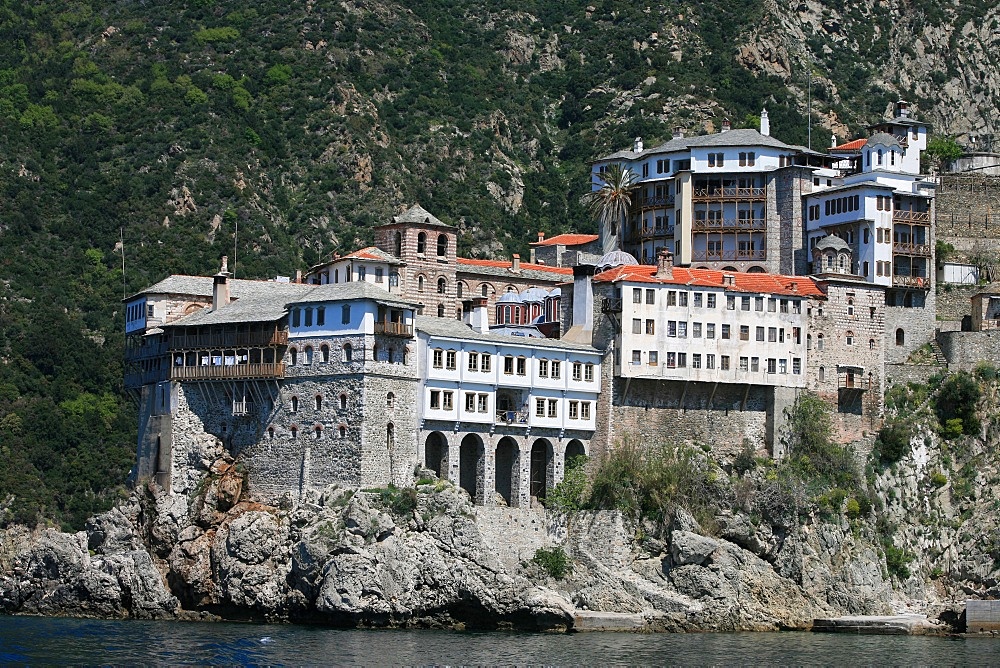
436 453
574 449
508 465
470 465
541 467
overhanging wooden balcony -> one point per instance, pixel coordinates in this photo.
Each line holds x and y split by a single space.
911 217
277 337
656 202
911 282
729 225
728 194
919 250
387 328
229 372
728 254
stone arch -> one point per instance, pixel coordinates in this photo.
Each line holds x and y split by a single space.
756 269
343 400
900 336
470 466
508 470
541 468
293 356
442 245
436 454
442 285
422 243
729 268
319 402
397 244
575 448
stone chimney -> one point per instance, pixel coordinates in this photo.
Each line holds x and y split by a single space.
515 264
581 328
765 123
728 279
833 141
726 125
298 275
476 314
637 145
902 109
541 237
678 133
665 264
220 286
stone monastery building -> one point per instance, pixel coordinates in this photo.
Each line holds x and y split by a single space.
747 272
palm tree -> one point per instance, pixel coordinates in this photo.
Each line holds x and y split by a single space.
610 203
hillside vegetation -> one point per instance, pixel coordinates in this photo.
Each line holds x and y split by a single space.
169 125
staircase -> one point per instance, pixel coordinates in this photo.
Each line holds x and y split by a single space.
939 357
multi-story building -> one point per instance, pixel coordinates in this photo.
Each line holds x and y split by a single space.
501 414
729 200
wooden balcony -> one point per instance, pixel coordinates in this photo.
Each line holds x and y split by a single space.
137 379
145 352
919 250
921 282
653 232
220 340
387 328
730 225
512 417
729 194
231 372
656 202
730 254
611 305
913 217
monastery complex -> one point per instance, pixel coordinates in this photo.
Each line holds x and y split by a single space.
746 272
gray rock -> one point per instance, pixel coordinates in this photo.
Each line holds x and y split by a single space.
690 548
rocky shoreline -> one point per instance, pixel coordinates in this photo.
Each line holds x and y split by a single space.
427 558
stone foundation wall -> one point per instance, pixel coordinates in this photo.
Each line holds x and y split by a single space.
724 416
965 350
918 325
901 374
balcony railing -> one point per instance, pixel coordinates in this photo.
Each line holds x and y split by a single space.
649 232
728 194
850 382
231 372
723 224
922 250
242 407
228 340
145 352
727 254
654 202
911 282
920 217
611 306
393 328
512 417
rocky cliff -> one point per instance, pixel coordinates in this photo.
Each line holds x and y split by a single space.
425 557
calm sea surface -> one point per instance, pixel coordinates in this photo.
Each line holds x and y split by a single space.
28 640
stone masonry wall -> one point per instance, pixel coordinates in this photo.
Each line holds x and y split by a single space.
965 350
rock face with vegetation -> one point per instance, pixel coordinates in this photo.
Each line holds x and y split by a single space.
669 537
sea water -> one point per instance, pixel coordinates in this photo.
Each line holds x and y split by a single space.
34 640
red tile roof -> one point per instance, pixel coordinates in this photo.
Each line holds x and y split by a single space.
774 284
855 145
567 240
505 264
369 253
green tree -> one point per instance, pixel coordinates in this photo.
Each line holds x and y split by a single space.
609 204
943 151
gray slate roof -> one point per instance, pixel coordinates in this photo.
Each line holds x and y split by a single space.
451 328
734 138
509 274
418 215
884 139
266 301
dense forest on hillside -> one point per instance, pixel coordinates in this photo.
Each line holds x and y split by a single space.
168 125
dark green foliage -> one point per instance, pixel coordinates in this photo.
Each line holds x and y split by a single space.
897 560
955 405
553 561
893 441
400 500
569 494
811 450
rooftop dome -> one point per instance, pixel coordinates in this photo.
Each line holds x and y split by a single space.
832 242
534 295
510 298
615 258
883 139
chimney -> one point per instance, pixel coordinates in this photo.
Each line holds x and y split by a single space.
726 125
515 265
541 237
665 264
728 279
678 133
794 286
765 123
477 312
581 328
902 109
833 141
220 286
298 275
637 145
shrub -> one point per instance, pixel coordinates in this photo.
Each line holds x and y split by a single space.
809 442
957 399
568 495
986 371
399 501
210 35
853 509
746 460
897 561
893 441
939 479
553 561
